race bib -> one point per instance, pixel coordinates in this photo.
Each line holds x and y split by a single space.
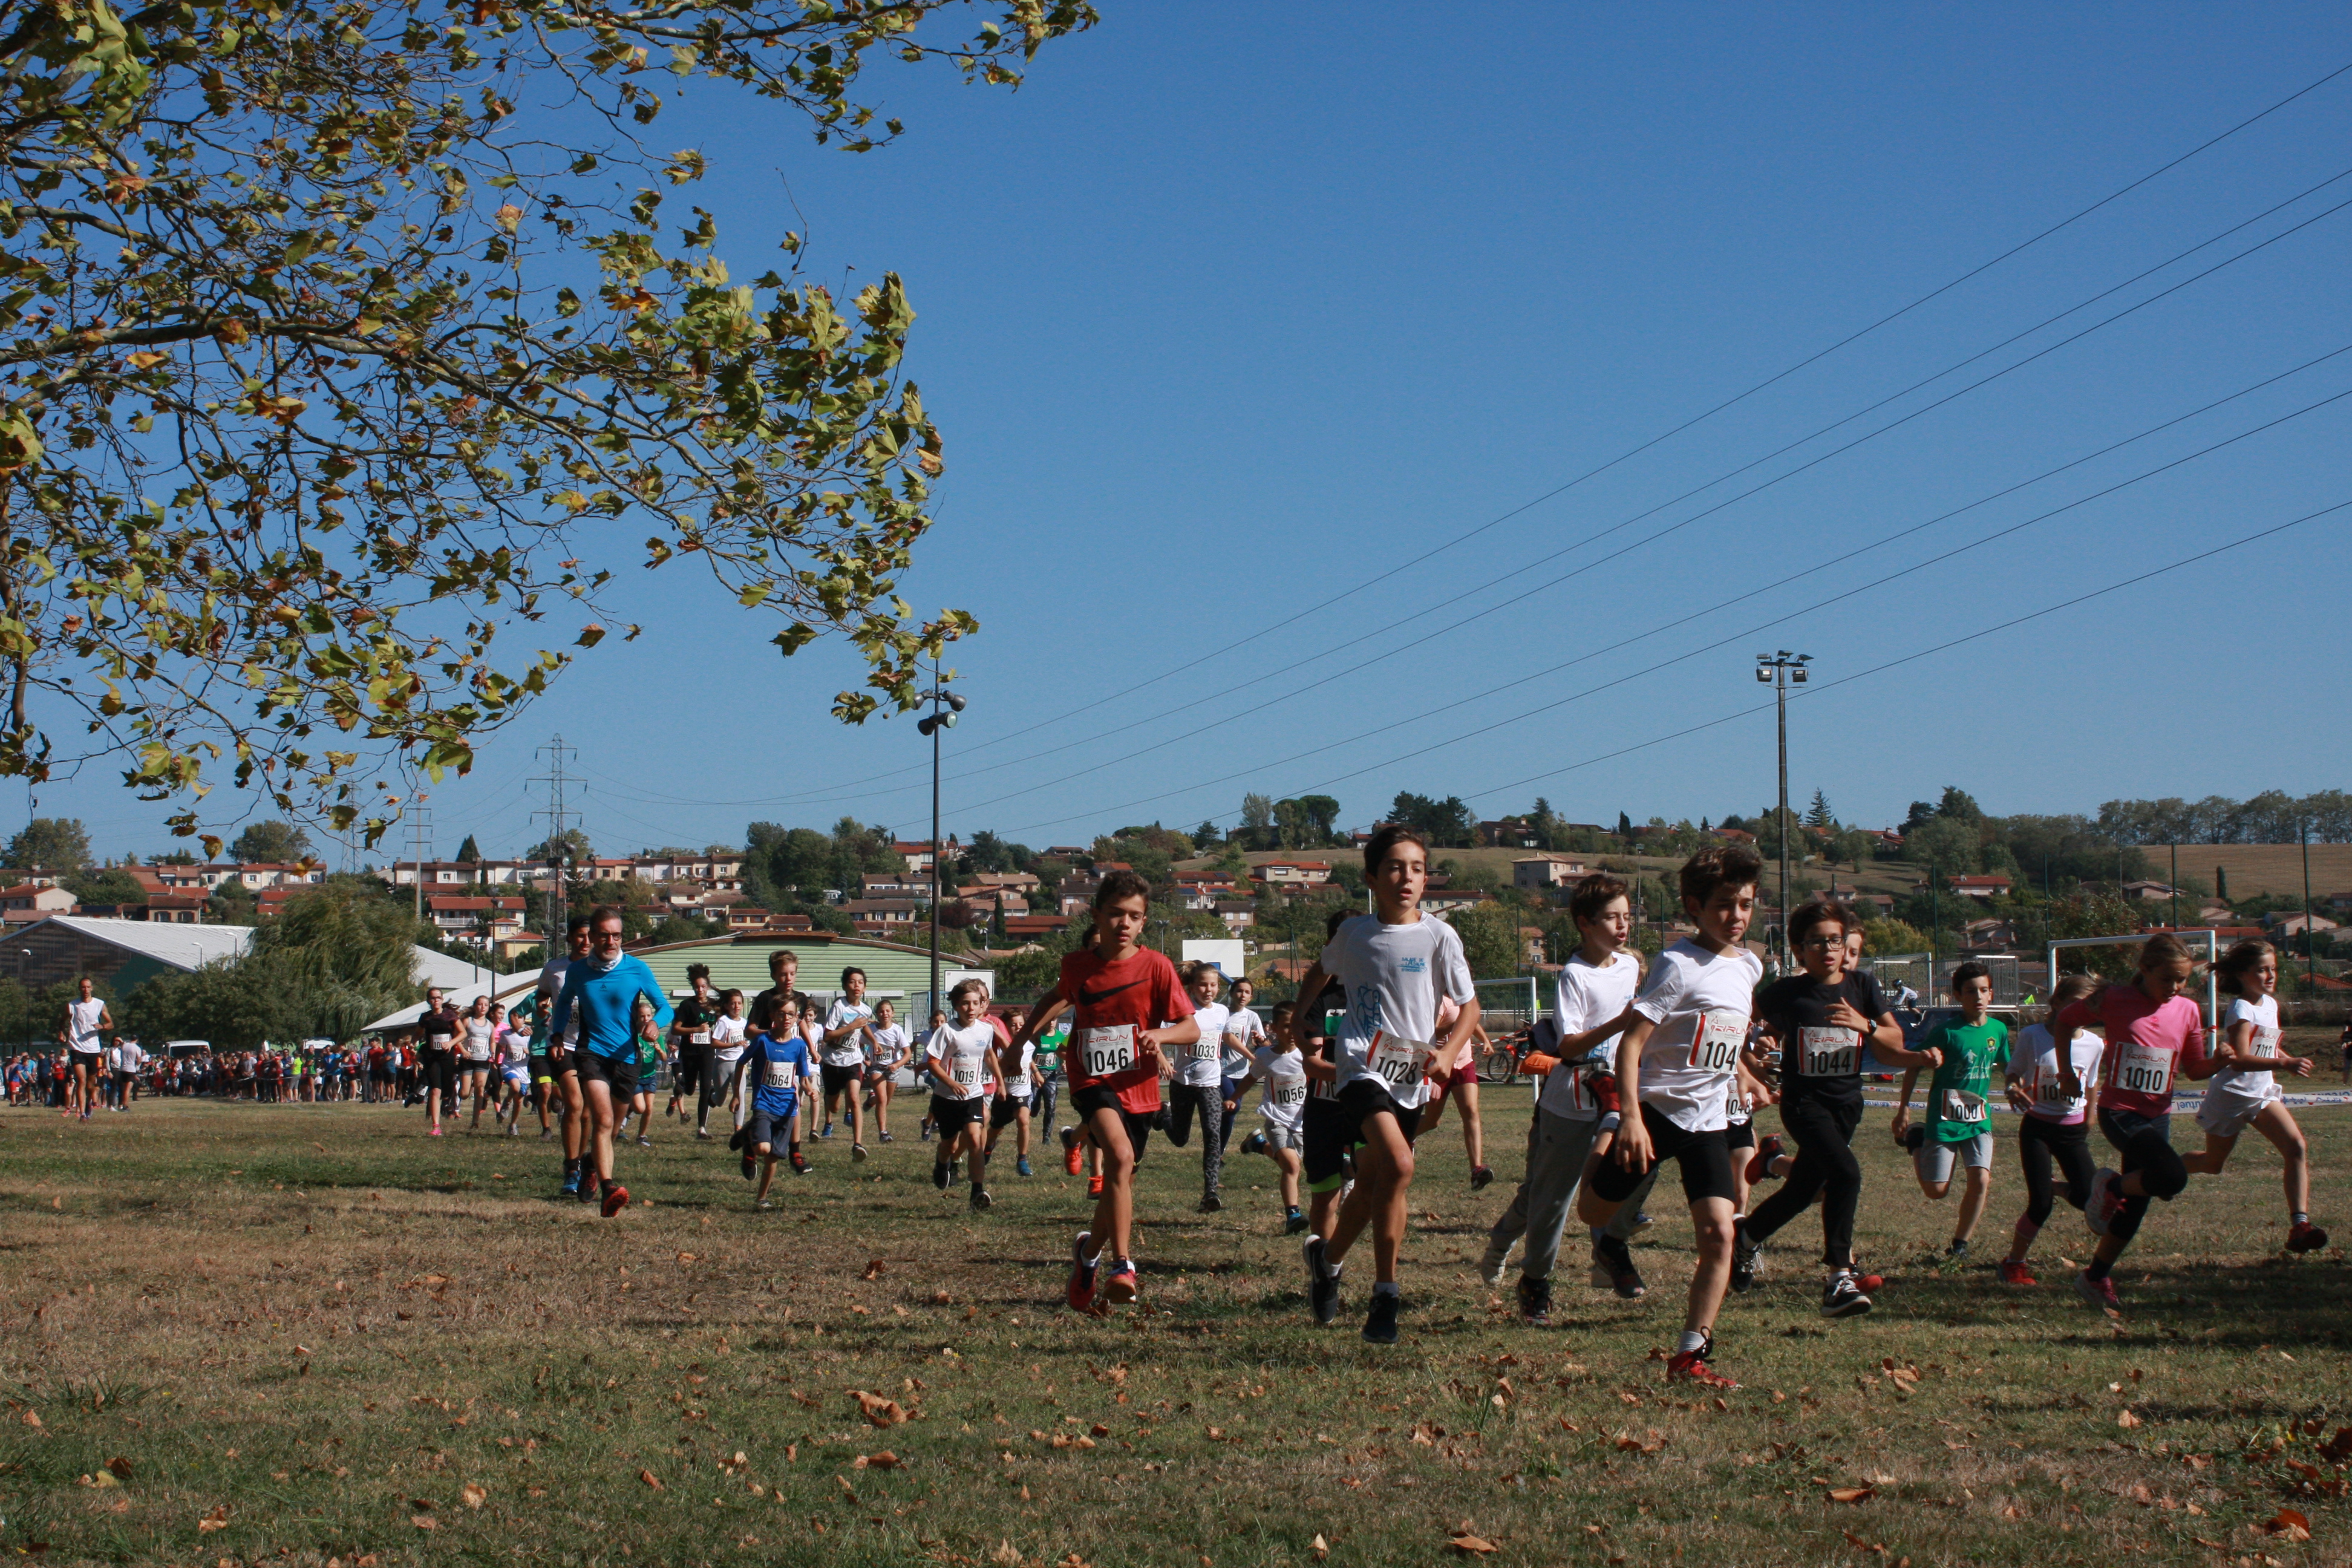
2051 1090
1397 1061
1714 1048
1290 1091
1107 1049
2265 1043
1825 1051
779 1075
1959 1105
700 1037
2144 1070
1203 1051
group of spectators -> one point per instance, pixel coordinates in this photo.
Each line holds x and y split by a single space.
315 1072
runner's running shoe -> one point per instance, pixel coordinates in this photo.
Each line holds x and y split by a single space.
1120 1283
858 1153
1072 1155
1080 1292
617 1198
1481 1177
1615 1257
939 1175
1094 1186
1492 1265
980 1198
1322 1282
1534 1301
1690 1367
2099 1209
1843 1298
1744 1254
799 1163
2014 1272
2099 1293
1381 1322
1022 1165
2305 1237
1760 1167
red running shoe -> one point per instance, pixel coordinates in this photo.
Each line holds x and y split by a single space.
1073 1156
1094 1186
1080 1292
2014 1272
617 1198
1690 1367
1760 1167
2305 1237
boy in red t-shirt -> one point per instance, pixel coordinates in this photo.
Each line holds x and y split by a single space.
1129 1004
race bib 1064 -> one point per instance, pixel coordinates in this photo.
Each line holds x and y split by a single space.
1826 1051
1107 1049
1715 1045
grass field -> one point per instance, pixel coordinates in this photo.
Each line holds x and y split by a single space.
307 1335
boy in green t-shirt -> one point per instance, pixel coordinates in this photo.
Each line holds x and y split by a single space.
1959 1125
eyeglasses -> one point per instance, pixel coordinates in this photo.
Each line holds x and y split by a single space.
1822 941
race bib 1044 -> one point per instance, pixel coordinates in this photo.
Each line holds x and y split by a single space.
1397 1061
1107 1049
2144 1070
1826 1051
1715 1045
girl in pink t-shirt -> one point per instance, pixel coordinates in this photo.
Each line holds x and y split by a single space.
2153 1033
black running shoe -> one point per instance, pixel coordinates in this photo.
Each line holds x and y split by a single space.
1618 1259
1843 1298
1534 1301
1322 1282
1381 1322
1744 1256
940 1177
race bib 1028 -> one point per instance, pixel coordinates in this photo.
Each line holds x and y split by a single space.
1397 1061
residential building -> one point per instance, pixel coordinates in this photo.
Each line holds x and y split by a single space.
1510 833
1445 900
2283 924
480 917
917 856
1034 928
28 902
1294 873
1977 887
1238 915
1544 871
2153 892
900 912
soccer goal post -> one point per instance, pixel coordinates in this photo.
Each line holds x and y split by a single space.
2210 940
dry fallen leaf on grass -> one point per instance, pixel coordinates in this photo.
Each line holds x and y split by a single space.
1851 1494
1864 1545
1320 1547
881 1412
424 1521
2287 1525
472 1494
874 1270
217 1520
120 1467
2126 1419
651 1479
885 1461
1471 1545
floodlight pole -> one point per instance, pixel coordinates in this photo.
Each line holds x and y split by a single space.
1780 670
945 706
2310 948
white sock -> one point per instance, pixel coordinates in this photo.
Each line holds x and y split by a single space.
1692 1339
1386 1288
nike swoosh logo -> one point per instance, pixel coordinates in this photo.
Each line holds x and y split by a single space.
1096 999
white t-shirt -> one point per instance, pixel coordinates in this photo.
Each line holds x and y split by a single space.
962 1052
481 1038
850 1052
515 1044
551 986
1590 995
728 1038
2044 1077
1199 1064
1245 1034
83 1023
2263 1016
890 1046
1018 1082
1393 975
1699 1002
1284 1100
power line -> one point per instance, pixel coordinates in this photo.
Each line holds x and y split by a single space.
1678 659
1768 382
833 792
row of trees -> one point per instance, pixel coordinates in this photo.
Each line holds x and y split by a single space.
2273 816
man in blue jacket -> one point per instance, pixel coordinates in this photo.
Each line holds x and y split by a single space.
604 987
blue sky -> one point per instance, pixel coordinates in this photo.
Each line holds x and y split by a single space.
1229 310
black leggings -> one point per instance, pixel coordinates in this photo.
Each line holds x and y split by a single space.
2040 1141
1825 1167
712 1084
2146 1144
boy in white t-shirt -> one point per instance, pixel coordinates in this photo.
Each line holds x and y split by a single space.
1199 1081
841 1064
1393 969
1596 987
1678 1064
965 1066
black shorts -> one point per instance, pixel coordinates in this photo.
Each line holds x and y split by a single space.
950 1117
1705 1157
618 1074
840 1079
1006 1109
774 1128
1366 1097
1085 1102
1323 1139
437 1070
1741 1136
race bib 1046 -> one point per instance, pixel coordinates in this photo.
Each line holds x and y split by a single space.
1397 1061
1715 1045
2144 1070
1826 1051
1107 1049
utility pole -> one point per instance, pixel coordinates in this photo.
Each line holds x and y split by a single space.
1779 670
559 814
420 836
945 706
2310 948
2175 887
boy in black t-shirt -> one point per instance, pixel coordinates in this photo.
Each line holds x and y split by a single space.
1822 1020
